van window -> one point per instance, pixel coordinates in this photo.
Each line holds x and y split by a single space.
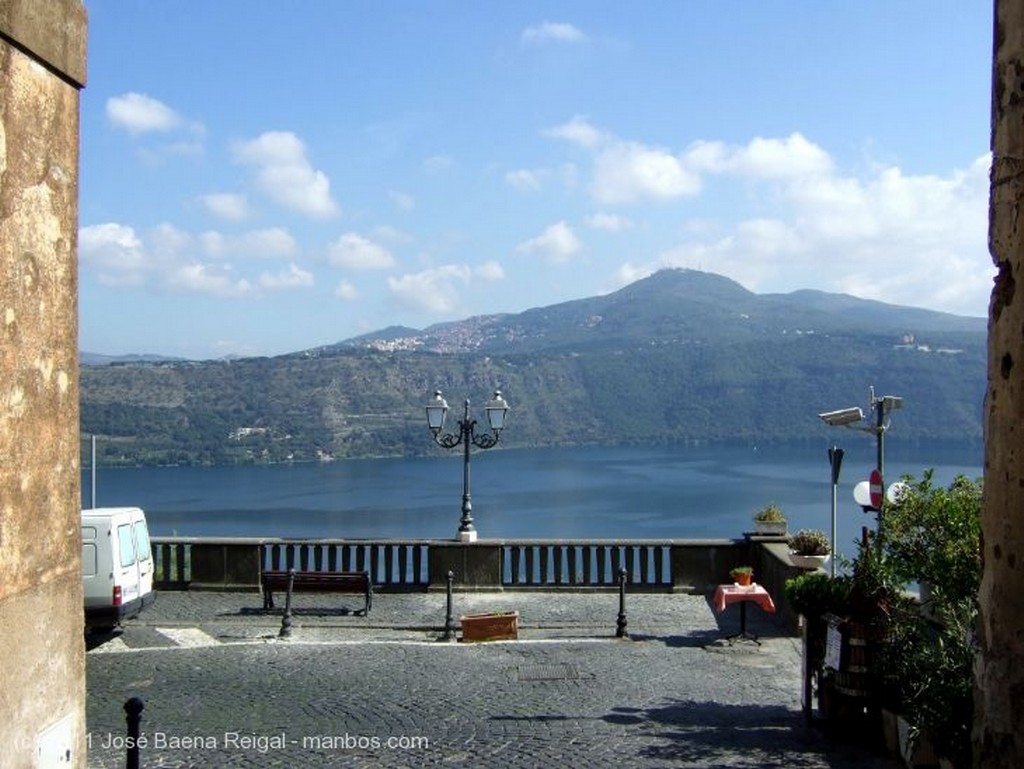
126 545
142 540
88 559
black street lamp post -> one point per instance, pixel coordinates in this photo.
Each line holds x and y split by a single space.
466 436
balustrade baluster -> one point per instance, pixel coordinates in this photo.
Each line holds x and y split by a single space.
659 565
417 564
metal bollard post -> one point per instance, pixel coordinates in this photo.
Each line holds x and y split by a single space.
286 620
449 619
620 624
133 715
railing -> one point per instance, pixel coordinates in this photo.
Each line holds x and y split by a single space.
186 563
183 563
586 564
394 564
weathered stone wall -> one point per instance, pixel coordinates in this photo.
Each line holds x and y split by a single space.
999 732
42 663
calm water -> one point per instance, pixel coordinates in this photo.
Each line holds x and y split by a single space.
586 493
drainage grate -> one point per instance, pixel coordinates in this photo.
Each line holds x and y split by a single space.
562 671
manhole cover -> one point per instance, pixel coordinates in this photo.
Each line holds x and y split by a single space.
558 672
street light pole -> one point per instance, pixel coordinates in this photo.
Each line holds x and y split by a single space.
851 417
466 436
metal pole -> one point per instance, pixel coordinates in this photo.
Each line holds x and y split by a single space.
880 445
286 620
620 624
133 715
835 460
449 619
466 523
92 468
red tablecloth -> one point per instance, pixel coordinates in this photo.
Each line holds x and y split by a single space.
727 594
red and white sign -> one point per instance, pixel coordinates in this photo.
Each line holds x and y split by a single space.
875 487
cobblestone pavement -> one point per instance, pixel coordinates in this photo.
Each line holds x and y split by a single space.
223 690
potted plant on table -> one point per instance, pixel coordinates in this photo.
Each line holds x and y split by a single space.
743 575
809 549
770 520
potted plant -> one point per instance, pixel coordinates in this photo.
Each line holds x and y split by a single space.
742 575
770 520
809 549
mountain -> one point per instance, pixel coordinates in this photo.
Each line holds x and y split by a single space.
669 307
679 357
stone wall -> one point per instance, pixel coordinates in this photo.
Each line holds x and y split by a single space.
999 732
42 663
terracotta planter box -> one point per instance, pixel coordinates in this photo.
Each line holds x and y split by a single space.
502 626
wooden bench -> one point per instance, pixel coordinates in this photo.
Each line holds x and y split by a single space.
319 582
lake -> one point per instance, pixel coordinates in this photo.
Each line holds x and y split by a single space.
624 492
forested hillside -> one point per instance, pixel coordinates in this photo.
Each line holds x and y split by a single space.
681 357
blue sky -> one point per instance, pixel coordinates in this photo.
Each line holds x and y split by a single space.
260 178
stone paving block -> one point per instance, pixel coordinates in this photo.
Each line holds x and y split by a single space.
384 691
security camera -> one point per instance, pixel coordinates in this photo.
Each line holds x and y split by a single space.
842 416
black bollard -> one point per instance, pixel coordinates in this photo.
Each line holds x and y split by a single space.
286 620
620 624
449 619
133 715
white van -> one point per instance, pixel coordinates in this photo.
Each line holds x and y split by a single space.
117 565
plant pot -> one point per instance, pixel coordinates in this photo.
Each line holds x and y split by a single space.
808 561
916 749
770 528
499 626
890 731
743 580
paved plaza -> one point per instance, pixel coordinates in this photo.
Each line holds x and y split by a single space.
222 689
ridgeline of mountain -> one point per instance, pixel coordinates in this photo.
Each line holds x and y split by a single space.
681 357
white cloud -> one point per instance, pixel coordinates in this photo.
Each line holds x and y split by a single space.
627 173
903 239
273 241
403 200
285 175
560 32
114 251
353 251
137 114
291 277
199 278
789 158
346 291
523 179
578 131
167 258
609 222
434 291
558 243
233 208
489 272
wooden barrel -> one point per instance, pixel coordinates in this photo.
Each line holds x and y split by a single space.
853 677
